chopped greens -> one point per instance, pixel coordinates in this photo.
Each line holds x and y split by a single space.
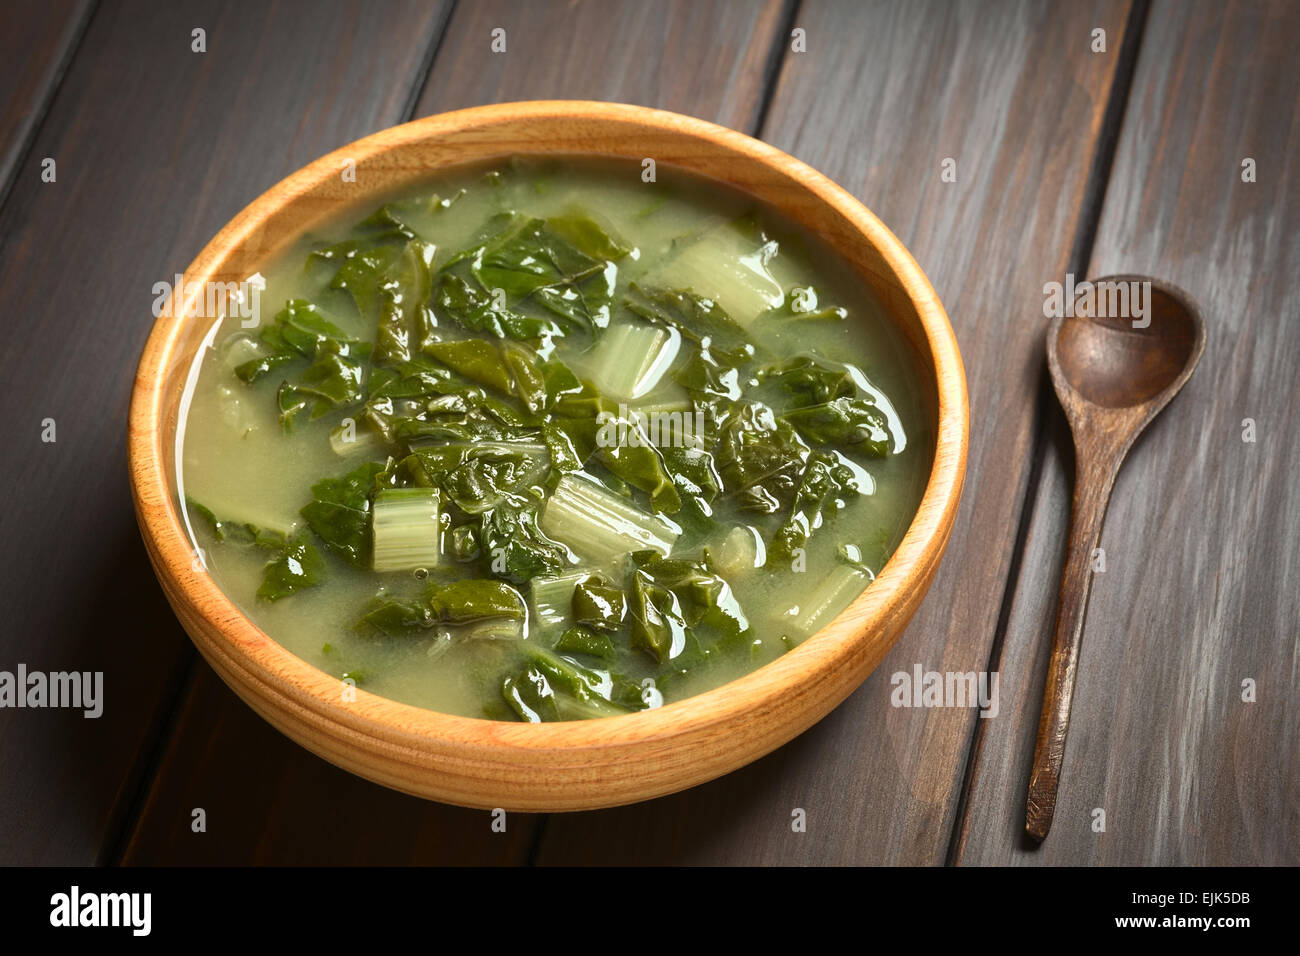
295 563
570 461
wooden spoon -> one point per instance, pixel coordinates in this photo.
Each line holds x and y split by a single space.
1112 379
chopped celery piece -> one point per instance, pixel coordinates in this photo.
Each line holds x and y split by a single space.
598 524
404 522
349 439
631 359
496 629
552 600
729 264
741 550
668 406
828 599
238 349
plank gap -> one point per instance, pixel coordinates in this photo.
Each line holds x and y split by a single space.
44 103
1085 236
426 65
157 740
776 58
1104 159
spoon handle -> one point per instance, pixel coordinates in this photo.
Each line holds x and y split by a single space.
1094 478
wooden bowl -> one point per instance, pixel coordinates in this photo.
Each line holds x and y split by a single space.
558 766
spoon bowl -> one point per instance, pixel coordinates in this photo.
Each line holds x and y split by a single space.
1113 370
1111 362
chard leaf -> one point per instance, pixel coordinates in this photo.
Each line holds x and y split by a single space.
291 404
475 359
333 380
825 402
237 532
298 331
529 379
598 604
759 457
474 599
418 378
390 282
515 549
525 257
386 224
479 476
584 640
564 456
697 481
552 687
577 414
299 565
807 380
335 376
394 617
294 564
706 601
657 624
565 263
559 380
825 482
588 237
707 380
464 543
339 513
363 275
639 464
254 369
302 327
530 696
844 422
476 310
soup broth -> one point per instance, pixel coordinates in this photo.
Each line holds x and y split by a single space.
546 441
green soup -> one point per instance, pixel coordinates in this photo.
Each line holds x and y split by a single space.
548 441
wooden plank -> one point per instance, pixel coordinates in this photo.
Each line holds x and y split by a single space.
157 146
299 799
1202 583
35 46
885 93
707 59
265 800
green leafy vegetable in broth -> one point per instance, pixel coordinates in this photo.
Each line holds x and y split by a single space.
339 512
295 563
298 565
549 457
825 486
696 317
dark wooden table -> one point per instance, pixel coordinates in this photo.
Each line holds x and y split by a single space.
1068 160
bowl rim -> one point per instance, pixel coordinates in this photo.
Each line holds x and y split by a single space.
406 730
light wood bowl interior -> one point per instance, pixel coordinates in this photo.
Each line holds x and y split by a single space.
576 765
